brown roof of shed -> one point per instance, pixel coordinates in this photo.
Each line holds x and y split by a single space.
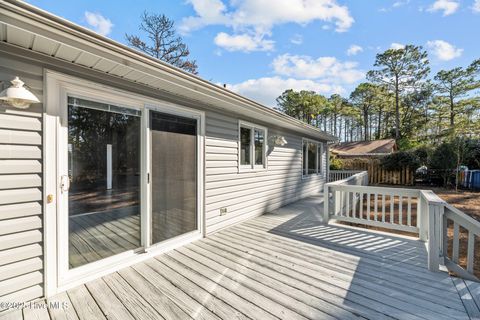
384 146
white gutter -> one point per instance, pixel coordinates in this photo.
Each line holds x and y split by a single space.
35 20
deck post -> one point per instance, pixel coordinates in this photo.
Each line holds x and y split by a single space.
326 200
435 236
422 216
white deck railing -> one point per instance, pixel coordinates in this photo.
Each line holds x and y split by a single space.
417 211
336 175
472 227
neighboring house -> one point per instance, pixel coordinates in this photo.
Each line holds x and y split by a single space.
364 149
126 156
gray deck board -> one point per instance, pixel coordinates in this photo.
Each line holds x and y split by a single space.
85 305
61 308
283 265
467 297
106 299
352 269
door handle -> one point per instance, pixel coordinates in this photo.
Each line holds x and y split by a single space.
64 183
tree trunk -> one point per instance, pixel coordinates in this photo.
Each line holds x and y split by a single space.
397 110
452 112
335 123
365 123
379 123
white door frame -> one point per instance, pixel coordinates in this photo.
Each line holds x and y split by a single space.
187 113
57 87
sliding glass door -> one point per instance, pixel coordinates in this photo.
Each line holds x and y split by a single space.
127 181
173 159
103 180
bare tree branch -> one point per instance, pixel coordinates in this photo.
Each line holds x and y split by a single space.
163 43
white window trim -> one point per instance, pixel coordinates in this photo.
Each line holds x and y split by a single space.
252 167
318 173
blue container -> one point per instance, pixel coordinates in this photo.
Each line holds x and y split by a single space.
475 179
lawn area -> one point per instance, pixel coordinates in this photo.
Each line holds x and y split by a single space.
466 201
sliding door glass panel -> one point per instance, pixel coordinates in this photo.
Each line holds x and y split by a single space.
174 175
104 173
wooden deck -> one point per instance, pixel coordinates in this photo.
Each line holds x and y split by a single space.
283 265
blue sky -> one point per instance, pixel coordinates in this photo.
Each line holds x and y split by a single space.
261 47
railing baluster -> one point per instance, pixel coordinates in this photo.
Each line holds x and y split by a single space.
392 213
409 211
375 206
456 242
354 204
341 203
360 211
368 206
400 210
470 251
383 207
347 208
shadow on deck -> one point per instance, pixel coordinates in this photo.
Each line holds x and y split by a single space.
282 265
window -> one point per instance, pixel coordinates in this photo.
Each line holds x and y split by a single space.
313 154
252 146
259 143
320 158
245 146
312 158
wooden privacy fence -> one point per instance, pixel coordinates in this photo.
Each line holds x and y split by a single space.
379 175
411 210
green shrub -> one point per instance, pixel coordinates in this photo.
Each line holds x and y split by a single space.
401 159
335 163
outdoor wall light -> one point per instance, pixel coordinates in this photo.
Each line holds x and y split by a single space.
17 95
279 140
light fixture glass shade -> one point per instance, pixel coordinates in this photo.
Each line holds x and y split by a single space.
17 95
278 140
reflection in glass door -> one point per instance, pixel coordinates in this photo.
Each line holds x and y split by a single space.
174 175
104 177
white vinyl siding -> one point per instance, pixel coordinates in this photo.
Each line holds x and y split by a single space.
21 237
246 194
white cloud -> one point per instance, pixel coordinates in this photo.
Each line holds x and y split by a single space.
328 69
243 42
476 6
447 6
400 3
298 39
259 17
396 46
325 75
443 50
99 23
354 49
266 90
